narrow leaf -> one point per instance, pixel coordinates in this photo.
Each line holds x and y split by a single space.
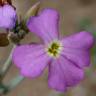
32 11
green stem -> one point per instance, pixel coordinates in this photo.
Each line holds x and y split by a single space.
6 88
15 82
7 64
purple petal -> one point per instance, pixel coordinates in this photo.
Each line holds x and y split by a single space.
31 59
45 25
63 73
7 17
83 40
76 48
81 58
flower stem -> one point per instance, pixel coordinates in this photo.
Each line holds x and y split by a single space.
7 64
15 82
4 89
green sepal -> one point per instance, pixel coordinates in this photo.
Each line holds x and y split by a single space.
33 11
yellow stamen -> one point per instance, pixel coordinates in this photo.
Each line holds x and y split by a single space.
54 49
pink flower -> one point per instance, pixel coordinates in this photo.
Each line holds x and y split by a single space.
65 58
7 16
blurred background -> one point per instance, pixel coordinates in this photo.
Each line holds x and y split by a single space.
76 15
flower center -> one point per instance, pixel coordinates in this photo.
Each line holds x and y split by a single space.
54 49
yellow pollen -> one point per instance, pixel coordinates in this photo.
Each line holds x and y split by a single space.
54 49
